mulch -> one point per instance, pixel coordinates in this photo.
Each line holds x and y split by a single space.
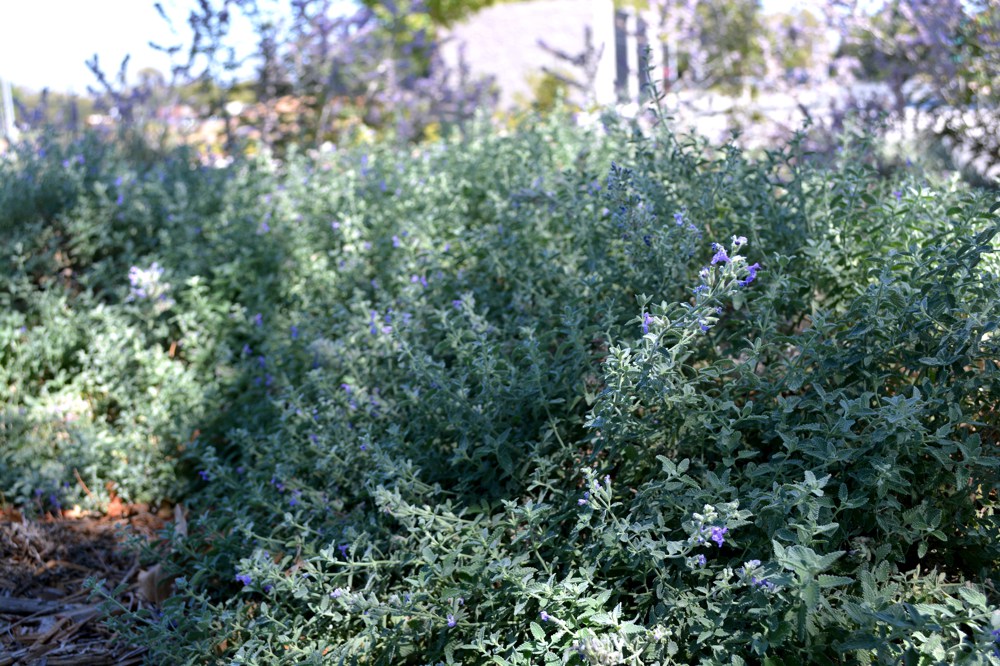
47 617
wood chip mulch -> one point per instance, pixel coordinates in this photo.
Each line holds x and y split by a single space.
46 615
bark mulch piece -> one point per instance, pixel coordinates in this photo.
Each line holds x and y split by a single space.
46 618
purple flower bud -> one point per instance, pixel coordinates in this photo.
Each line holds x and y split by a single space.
244 578
451 620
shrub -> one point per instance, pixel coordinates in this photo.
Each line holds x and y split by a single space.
561 396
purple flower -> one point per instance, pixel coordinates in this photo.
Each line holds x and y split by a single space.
457 304
720 254
258 319
295 332
395 241
645 322
753 268
264 228
451 620
343 549
336 593
244 578
898 194
718 535
739 240
335 225
545 616
679 218
205 476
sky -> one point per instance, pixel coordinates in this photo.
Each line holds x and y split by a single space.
45 43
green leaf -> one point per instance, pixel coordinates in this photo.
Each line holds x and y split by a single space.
537 632
602 618
631 628
833 581
972 596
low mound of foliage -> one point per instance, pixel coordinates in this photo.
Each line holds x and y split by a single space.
559 397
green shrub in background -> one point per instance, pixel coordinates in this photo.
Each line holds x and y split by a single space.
562 396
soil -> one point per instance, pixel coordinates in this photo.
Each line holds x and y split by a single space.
47 615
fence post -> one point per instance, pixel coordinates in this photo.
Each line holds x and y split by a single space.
8 130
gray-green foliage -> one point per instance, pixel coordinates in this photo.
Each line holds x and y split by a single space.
554 397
